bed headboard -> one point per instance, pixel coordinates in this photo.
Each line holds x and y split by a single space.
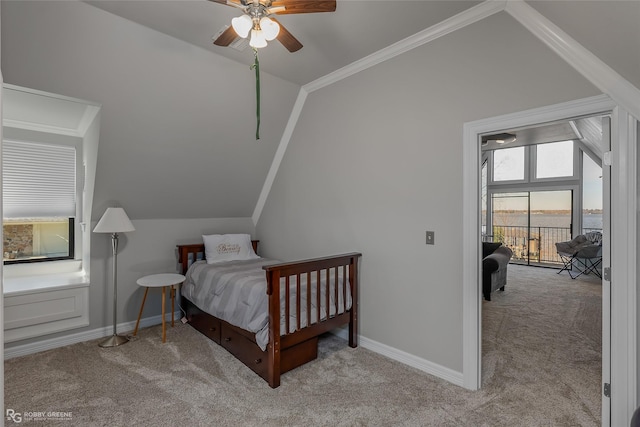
186 252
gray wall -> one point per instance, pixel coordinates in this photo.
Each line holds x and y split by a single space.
178 122
177 141
388 168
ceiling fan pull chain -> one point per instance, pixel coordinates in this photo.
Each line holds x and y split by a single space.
256 65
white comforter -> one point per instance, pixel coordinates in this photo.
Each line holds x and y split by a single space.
235 291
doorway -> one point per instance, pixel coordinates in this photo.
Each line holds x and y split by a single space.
544 325
618 358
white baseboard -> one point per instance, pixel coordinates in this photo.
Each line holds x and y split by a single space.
51 343
423 365
431 368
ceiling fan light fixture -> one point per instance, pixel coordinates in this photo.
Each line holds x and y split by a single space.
499 138
258 39
269 27
506 140
242 25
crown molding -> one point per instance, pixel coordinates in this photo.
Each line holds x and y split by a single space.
582 60
461 20
456 22
277 158
39 127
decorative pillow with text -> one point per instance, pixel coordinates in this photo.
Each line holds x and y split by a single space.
228 247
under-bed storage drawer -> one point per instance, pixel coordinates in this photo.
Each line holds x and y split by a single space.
245 349
206 324
298 355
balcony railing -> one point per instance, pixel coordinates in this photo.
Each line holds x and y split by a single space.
533 245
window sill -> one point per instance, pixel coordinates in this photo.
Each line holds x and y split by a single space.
30 284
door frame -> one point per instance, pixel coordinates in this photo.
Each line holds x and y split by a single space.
622 352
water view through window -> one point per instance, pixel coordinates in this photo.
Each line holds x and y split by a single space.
531 222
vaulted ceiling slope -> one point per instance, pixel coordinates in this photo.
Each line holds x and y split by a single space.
331 40
178 122
178 119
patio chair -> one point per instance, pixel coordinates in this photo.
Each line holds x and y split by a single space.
584 252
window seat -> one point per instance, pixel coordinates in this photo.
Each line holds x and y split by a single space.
42 304
22 285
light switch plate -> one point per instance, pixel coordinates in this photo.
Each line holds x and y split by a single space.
431 237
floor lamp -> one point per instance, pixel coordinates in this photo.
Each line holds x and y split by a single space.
114 221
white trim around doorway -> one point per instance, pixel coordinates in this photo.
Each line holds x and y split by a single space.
623 243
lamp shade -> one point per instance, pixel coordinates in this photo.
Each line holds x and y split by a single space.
114 220
270 28
242 25
257 39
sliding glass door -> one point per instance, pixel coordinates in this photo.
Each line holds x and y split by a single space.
531 222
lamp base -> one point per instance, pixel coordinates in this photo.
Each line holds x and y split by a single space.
114 340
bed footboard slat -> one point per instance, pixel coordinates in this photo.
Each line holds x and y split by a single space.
344 286
327 292
336 291
308 298
318 296
287 303
298 302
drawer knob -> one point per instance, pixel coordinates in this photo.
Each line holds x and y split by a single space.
258 361
212 329
227 339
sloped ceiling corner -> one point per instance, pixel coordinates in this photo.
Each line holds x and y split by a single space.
178 122
571 51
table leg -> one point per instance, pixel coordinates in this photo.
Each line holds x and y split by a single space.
173 298
144 298
164 326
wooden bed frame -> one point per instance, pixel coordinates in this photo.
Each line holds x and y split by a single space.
284 352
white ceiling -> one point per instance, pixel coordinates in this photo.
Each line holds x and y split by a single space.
331 40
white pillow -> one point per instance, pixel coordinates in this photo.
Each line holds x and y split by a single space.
228 247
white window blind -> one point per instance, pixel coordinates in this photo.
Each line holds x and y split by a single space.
39 180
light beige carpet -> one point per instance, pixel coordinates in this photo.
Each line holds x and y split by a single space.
534 376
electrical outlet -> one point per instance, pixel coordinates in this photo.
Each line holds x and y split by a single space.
431 237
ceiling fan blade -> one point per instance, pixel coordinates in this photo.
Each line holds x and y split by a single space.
304 6
226 37
235 3
286 38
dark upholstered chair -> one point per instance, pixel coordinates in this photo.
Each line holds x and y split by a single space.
495 259
635 419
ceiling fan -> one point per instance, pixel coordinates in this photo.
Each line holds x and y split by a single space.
257 21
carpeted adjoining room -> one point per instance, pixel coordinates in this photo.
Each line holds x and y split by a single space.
541 367
543 336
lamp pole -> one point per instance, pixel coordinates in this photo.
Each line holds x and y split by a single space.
115 339
113 221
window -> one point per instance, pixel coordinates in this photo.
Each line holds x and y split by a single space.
39 200
554 160
591 195
508 164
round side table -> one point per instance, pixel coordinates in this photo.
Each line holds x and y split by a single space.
164 280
